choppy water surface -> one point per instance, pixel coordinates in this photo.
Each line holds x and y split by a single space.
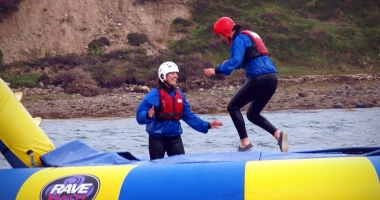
307 130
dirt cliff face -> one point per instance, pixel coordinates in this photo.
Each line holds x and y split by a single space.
47 27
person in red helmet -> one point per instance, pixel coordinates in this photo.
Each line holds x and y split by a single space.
248 52
162 109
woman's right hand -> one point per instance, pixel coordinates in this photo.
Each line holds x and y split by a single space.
209 72
151 112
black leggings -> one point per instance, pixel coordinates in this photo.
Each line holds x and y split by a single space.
158 145
257 91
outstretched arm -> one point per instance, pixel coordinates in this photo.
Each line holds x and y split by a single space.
195 121
216 124
209 72
235 62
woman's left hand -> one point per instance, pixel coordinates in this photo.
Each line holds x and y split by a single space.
216 124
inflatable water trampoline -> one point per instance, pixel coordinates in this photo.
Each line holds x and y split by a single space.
76 171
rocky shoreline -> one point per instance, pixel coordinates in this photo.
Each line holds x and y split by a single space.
308 92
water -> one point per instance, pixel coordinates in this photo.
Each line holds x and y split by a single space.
310 129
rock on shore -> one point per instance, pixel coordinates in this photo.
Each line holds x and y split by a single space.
309 92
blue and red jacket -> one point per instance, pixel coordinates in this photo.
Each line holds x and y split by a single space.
256 64
162 127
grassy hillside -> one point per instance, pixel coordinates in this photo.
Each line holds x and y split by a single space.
303 37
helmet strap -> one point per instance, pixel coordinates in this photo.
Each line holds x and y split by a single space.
168 85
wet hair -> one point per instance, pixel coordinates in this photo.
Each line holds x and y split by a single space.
237 28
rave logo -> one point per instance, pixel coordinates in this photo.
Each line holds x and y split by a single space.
74 187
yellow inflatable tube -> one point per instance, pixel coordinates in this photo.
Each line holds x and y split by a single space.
19 132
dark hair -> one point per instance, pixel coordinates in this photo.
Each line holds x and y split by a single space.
237 29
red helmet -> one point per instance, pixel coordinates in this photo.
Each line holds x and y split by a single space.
224 26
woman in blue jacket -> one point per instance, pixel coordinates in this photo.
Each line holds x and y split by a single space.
248 52
161 110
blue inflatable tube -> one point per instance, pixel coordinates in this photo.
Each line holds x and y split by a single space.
321 176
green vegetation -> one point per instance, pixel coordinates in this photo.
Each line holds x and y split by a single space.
136 39
303 38
25 80
181 25
96 46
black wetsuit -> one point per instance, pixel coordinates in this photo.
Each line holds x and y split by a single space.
158 145
257 91
262 80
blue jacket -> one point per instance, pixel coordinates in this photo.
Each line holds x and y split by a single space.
253 68
167 127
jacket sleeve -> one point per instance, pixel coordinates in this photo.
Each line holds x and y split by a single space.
237 57
193 120
151 99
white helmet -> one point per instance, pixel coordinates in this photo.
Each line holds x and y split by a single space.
166 68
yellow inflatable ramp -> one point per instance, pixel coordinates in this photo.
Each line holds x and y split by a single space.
19 132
